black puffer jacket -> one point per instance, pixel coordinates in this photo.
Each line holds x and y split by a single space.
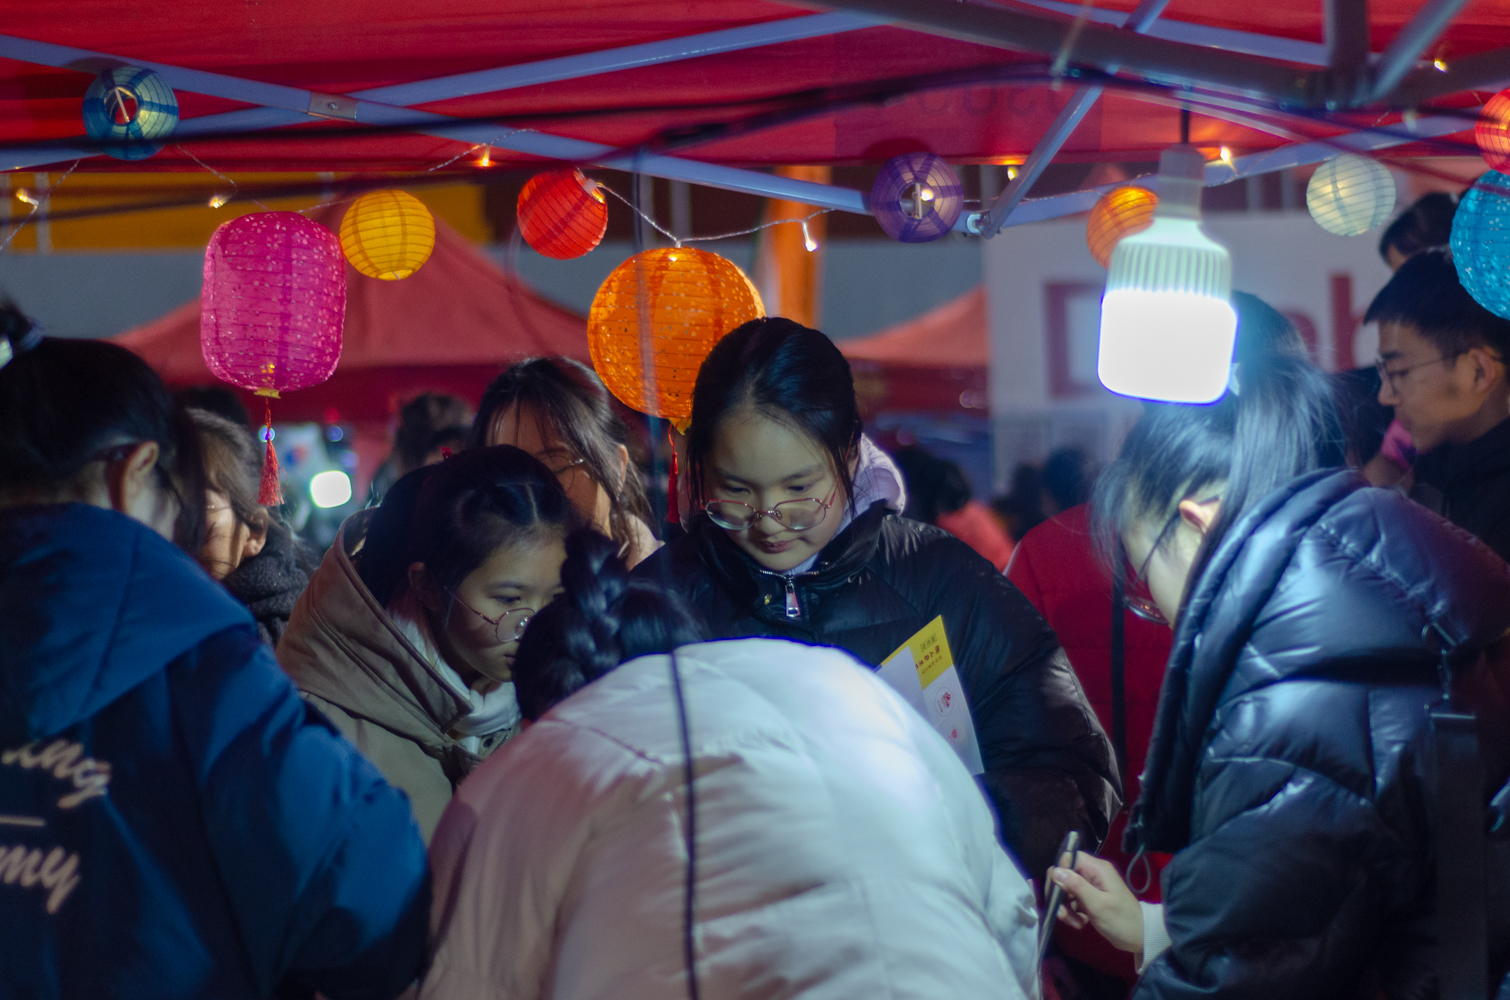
1290 765
1049 766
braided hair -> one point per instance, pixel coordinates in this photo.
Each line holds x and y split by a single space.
603 618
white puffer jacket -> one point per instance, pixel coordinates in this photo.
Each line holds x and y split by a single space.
842 849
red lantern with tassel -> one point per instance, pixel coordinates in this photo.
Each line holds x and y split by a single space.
271 312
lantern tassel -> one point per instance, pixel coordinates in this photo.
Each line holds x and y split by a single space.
673 505
271 494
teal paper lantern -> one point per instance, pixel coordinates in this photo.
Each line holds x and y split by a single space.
1481 242
128 107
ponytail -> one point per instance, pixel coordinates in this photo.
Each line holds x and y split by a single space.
602 619
1278 420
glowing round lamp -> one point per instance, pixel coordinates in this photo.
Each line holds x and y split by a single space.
387 234
330 489
1120 212
1492 133
1167 323
656 318
1481 242
271 311
127 108
916 197
1349 195
562 214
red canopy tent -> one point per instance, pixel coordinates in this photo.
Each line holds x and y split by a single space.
450 328
936 361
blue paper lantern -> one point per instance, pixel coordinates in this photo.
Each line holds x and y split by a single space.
128 107
916 197
1481 242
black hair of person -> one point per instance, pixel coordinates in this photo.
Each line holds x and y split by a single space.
220 400
570 399
232 463
419 419
788 373
1282 422
1067 477
602 619
934 485
454 515
1426 223
63 401
1426 294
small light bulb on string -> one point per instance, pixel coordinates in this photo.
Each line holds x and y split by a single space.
1226 155
25 196
807 238
1440 65
218 200
1011 173
486 160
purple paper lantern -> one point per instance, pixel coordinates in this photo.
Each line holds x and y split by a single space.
916 197
274 302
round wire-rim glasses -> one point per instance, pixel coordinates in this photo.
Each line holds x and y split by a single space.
798 515
507 627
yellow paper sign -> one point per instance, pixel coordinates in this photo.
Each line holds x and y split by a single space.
930 651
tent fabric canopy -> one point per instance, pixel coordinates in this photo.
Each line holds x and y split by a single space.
451 326
343 46
953 335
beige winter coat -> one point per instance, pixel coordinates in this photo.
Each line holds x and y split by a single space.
354 663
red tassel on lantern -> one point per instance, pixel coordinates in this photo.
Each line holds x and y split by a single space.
673 502
271 493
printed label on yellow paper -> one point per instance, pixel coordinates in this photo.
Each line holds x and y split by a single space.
922 671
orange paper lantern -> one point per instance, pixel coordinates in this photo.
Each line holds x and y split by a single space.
688 300
1492 133
387 234
562 214
1120 212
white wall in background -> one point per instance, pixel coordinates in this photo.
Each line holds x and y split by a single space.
1042 290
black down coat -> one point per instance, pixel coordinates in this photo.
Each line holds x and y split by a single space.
1290 767
1049 766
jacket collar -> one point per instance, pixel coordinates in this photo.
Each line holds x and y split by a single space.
1318 544
343 646
1464 466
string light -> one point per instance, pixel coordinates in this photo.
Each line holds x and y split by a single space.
1226 155
486 160
1011 173
26 197
217 200
807 238
1440 64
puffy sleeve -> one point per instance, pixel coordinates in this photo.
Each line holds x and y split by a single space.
1276 898
1049 766
320 859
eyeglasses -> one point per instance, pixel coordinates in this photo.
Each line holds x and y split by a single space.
1144 607
563 470
797 515
508 627
1389 377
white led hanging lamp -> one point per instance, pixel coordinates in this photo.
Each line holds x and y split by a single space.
1167 324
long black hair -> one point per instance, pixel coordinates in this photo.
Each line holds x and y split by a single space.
64 402
1279 420
568 397
454 515
602 618
784 371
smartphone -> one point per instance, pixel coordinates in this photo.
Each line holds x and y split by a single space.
1069 853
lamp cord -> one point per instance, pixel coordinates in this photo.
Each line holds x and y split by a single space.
689 949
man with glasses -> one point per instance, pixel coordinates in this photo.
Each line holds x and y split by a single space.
1442 367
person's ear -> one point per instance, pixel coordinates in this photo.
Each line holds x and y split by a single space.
623 458
424 587
256 535
1200 516
1486 369
131 483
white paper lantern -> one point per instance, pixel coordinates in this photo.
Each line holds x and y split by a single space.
1349 195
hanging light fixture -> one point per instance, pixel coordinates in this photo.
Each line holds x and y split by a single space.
1167 324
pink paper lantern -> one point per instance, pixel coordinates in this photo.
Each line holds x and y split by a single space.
274 302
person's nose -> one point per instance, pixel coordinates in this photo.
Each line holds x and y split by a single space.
1387 394
767 526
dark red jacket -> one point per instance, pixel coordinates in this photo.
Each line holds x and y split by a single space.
1057 568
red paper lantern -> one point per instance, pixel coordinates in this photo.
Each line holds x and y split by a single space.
1492 133
562 214
272 309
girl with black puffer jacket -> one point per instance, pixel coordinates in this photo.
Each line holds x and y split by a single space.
1293 765
797 535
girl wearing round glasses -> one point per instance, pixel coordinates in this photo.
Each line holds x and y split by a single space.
406 635
798 536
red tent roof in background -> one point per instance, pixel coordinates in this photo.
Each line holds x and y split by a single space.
450 327
342 46
952 335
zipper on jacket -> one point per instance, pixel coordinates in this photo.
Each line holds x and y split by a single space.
793 606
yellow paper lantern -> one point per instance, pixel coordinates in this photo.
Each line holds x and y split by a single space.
687 300
1120 212
387 234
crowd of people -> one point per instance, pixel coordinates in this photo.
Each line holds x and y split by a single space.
508 738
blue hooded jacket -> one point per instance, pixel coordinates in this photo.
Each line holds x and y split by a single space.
174 820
